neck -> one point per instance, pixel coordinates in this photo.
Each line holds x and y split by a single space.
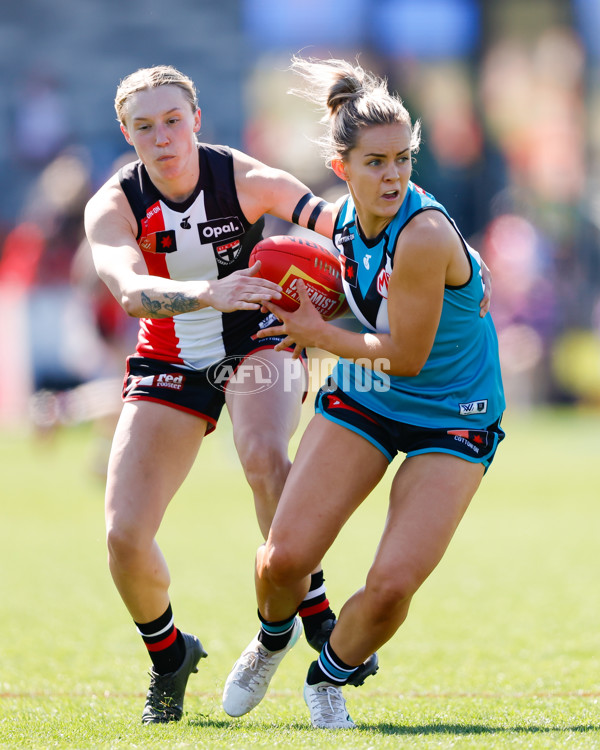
373 228
177 194
369 225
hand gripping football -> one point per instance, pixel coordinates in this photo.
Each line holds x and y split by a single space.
285 259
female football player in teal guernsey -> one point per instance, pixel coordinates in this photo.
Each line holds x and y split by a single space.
423 378
171 236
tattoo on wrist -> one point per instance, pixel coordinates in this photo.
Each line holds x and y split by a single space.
174 302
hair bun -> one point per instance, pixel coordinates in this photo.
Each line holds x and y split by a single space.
347 88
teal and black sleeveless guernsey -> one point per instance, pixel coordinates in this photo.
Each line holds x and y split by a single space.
460 385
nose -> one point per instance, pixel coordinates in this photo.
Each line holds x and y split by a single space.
161 136
392 172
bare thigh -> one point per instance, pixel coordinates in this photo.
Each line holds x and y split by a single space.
429 496
270 412
153 450
264 419
333 472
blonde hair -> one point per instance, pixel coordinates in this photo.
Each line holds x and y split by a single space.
352 99
150 78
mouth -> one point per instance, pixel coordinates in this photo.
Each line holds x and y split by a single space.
390 195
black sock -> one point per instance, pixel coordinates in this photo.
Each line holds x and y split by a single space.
329 668
315 608
164 642
275 635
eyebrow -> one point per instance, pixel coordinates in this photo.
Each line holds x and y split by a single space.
397 154
168 112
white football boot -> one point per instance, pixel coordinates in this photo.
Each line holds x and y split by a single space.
251 674
327 706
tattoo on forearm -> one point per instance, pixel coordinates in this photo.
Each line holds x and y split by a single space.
175 302
152 307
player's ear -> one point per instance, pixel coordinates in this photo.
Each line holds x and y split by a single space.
126 134
338 167
197 121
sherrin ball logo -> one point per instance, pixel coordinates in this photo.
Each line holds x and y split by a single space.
285 260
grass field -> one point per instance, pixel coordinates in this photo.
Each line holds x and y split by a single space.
501 649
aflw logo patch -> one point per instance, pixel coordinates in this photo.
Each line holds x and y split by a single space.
474 407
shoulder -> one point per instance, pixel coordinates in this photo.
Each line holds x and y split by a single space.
253 179
429 230
425 250
106 197
109 203
431 246
264 189
246 167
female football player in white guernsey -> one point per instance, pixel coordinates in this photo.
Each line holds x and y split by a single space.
171 236
423 378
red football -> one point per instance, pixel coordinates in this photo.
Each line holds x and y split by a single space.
285 259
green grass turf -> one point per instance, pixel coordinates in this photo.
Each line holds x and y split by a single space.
500 650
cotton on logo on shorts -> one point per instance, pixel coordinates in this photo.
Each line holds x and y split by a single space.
248 376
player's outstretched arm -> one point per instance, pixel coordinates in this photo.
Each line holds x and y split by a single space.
110 229
265 190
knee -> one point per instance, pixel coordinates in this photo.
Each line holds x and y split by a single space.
266 465
125 545
389 593
281 567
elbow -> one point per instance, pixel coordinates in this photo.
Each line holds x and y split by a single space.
406 368
127 298
413 371
408 372
129 306
408 364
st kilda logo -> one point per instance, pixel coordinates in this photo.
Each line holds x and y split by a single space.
224 236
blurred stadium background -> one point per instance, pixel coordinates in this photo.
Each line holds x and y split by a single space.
509 97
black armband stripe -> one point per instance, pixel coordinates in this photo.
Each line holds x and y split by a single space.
300 205
316 212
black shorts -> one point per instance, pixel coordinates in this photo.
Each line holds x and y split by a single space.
198 392
391 437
